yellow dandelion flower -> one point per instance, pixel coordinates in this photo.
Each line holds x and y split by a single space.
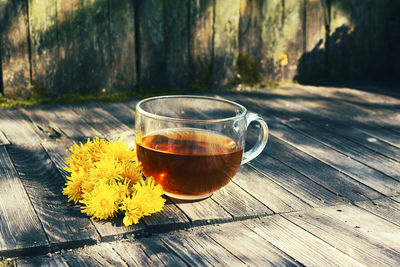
73 187
131 173
101 202
147 199
107 169
96 148
121 151
283 59
78 158
123 190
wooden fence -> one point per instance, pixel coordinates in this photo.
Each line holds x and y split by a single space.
131 45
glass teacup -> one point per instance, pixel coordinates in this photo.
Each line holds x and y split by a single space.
193 145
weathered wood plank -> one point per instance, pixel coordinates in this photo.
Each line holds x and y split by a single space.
382 133
311 65
250 40
122 46
151 45
14 48
226 42
385 208
169 218
305 189
63 119
176 41
17 127
107 125
198 249
282 38
203 212
332 179
201 42
84 45
250 248
239 203
396 198
20 229
267 191
122 112
64 225
3 139
57 151
159 254
99 255
302 246
131 252
381 231
316 103
43 45
347 165
48 261
359 96
344 238
351 149
361 138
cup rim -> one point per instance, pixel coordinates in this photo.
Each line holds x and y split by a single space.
160 117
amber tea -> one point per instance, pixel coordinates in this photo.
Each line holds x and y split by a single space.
189 162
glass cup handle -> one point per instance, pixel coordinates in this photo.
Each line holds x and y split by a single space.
261 140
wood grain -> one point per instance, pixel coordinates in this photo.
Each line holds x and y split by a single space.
226 42
122 112
375 228
239 203
351 149
21 232
361 138
332 179
3 139
346 239
282 35
151 43
99 255
176 41
250 248
103 122
17 127
43 45
385 208
203 212
304 247
169 218
197 248
267 191
293 181
131 252
84 45
159 254
122 46
347 165
14 55
201 42
53 261
65 225
64 119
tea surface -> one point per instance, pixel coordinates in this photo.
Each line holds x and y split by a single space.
189 162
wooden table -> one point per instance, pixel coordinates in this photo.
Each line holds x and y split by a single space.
325 191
